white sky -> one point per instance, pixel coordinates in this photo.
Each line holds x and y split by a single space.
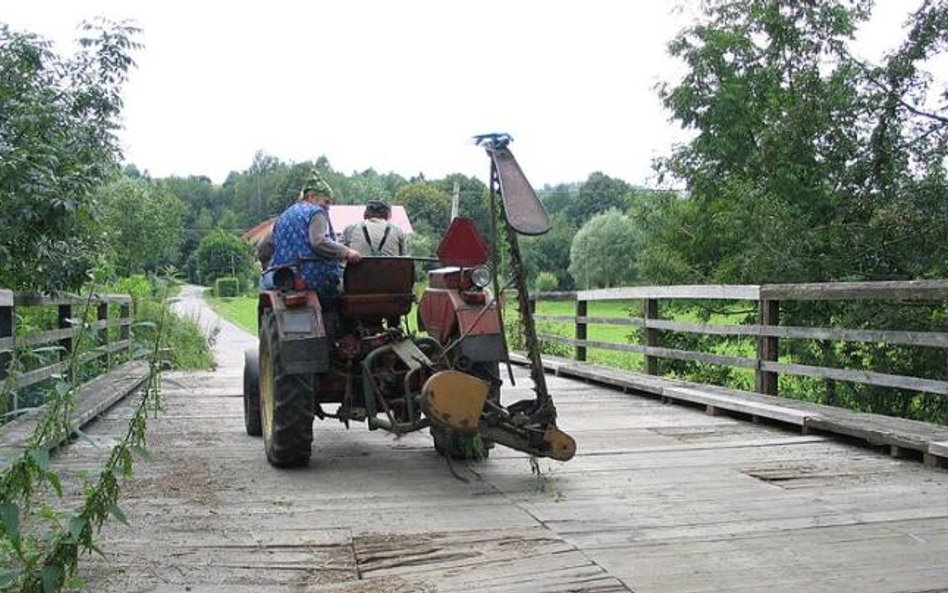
396 85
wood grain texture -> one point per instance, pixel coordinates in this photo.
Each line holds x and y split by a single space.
659 499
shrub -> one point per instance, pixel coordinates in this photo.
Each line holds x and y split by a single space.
545 282
226 287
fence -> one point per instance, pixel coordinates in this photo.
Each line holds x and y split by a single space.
63 338
767 331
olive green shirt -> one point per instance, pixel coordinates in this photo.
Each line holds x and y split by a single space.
395 243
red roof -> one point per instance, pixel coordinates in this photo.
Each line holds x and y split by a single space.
341 216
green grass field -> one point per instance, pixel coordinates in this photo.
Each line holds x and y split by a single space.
242 310
239 310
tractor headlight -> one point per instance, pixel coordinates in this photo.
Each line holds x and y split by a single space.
480 277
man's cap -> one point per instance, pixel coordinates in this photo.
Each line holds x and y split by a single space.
378 206
316 184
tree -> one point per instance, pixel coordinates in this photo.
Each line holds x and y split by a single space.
58 118
560 197
550 252
428 207
807 164
598 194
603 252
221 254
473 198
142 225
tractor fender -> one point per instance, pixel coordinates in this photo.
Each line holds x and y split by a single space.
444 313
301 332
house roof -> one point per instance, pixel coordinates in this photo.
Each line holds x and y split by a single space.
340 215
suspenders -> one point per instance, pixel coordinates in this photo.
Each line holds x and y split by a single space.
365 233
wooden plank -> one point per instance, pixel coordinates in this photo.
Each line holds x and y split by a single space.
860 376
92 399
939 448
932 339
907 338
701 291
554 296
736 361
736 404
897 290
122 299
40 299
635 321
32 377
47 337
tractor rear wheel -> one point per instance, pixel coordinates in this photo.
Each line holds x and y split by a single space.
286 403
252 393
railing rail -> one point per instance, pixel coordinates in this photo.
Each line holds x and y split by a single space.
67 306
767 330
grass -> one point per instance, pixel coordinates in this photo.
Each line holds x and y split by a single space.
627 334
239 310
242 310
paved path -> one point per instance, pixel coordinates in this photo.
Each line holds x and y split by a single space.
660 498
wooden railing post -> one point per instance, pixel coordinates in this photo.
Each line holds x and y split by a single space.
7 326
768 347
652 336
102 336
125 330
581 311
66 321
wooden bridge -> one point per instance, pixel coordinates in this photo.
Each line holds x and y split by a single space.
660 497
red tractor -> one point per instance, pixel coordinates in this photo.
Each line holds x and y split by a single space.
362 360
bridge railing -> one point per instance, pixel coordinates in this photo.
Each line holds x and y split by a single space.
109 311
767 331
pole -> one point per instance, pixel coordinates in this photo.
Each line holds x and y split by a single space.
455 200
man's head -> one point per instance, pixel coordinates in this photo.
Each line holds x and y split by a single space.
377 209
317 189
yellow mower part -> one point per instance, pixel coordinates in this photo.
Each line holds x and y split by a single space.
454 400
562 446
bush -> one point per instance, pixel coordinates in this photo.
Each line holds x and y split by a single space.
137 286
545 282
226 287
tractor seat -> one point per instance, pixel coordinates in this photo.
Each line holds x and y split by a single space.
378 287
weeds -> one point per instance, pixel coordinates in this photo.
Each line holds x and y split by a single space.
40 545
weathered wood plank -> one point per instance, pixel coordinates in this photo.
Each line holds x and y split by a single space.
702 291
896 290
92 399
736 404
860 376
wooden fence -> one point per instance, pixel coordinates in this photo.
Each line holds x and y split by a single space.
65 336
767 330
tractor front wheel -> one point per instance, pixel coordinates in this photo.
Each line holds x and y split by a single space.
252 393
286 403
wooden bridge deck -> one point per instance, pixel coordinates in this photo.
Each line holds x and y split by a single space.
659 498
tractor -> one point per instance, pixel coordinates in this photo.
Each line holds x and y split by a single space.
361 359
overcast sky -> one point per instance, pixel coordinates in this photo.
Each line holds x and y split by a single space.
397 85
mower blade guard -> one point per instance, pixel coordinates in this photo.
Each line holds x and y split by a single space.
454 400
525 212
